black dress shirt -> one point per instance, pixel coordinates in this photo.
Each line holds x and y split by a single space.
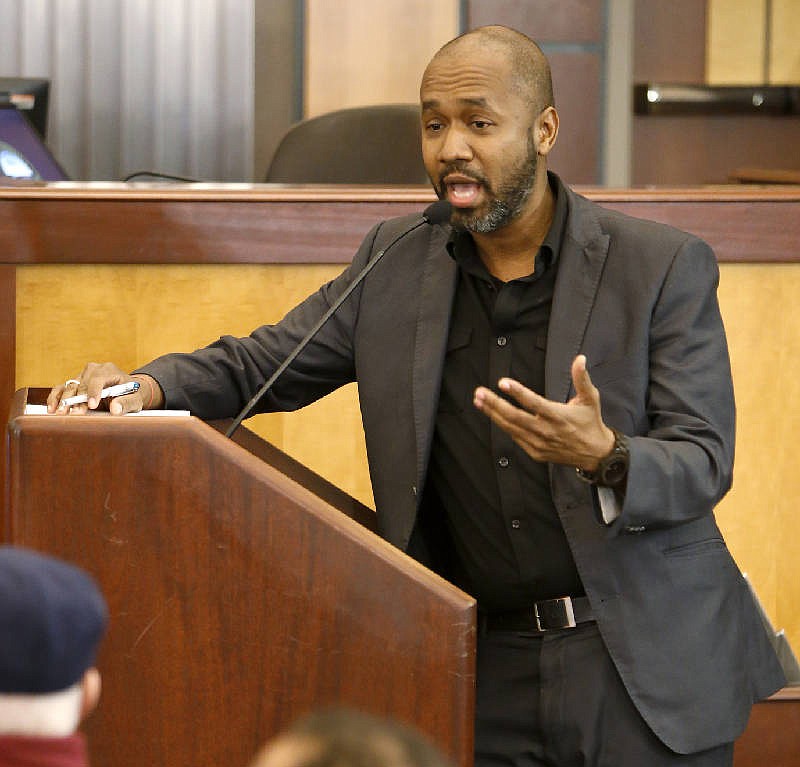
507 546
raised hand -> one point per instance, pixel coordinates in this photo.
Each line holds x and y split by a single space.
571 433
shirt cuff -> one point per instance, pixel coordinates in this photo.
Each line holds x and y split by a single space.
610 507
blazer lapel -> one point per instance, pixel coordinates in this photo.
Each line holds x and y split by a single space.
433 325
583 255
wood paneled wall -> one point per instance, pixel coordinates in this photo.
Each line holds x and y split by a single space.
720 41
737 33
180 308
751 42
360 52
759 516
572 34
784 51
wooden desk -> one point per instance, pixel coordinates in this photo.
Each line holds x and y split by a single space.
772 737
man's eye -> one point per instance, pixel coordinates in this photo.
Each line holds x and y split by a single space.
434 126
481 124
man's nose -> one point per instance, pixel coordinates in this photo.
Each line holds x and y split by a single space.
455 146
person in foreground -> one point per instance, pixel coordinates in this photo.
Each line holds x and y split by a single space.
52 618
341 737
548 408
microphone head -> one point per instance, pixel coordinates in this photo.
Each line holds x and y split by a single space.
438 212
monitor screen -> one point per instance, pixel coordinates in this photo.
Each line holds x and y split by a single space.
30 95
23 154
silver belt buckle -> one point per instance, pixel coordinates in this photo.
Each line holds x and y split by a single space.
555 614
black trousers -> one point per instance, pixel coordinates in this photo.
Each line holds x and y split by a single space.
556 700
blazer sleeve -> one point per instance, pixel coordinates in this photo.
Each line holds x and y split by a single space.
682 466
220 379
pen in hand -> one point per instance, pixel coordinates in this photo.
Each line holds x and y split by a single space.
112 391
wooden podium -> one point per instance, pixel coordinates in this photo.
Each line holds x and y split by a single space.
242 592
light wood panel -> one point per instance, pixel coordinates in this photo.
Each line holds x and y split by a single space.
360 52
160 309
738 35
785 55
759 516
736 39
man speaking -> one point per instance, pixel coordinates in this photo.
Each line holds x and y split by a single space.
549 417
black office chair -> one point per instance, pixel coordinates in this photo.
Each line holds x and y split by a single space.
361 145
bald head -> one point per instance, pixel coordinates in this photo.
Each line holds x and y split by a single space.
530 69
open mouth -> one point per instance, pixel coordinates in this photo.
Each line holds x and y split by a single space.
462 191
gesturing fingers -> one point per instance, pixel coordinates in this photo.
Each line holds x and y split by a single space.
490 403
546 430
520 422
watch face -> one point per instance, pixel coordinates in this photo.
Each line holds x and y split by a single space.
615 471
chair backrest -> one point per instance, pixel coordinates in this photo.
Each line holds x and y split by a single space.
361 145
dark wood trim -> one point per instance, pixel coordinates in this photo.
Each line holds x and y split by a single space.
97 190
786 693
765 176
252 223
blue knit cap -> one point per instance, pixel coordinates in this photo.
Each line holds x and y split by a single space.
52 617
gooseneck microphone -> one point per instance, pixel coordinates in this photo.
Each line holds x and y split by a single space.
436 213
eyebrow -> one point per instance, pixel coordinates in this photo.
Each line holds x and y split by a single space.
478 101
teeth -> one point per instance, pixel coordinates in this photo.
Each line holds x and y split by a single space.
463 190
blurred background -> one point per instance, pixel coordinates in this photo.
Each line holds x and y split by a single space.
206 88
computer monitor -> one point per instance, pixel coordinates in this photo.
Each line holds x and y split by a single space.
23 154
30 95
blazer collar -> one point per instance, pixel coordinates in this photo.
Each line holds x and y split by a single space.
583 255
437 289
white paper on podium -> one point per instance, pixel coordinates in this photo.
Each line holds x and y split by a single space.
42 410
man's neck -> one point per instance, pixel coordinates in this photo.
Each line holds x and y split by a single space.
510 252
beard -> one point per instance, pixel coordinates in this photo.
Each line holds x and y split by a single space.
505 203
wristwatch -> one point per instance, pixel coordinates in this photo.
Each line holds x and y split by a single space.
613 468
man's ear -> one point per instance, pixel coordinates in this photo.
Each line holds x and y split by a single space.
90 694
546 129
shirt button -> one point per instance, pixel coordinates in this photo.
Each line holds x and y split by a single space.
515 524
502 340
502 462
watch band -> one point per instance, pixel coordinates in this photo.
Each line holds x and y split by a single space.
612 470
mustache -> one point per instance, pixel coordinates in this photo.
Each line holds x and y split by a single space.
463 170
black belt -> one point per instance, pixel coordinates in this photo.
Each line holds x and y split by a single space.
547 615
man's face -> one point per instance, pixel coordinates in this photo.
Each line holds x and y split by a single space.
477 138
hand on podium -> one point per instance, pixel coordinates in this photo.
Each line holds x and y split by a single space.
89 389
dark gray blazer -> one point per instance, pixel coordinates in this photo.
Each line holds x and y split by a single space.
639 299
